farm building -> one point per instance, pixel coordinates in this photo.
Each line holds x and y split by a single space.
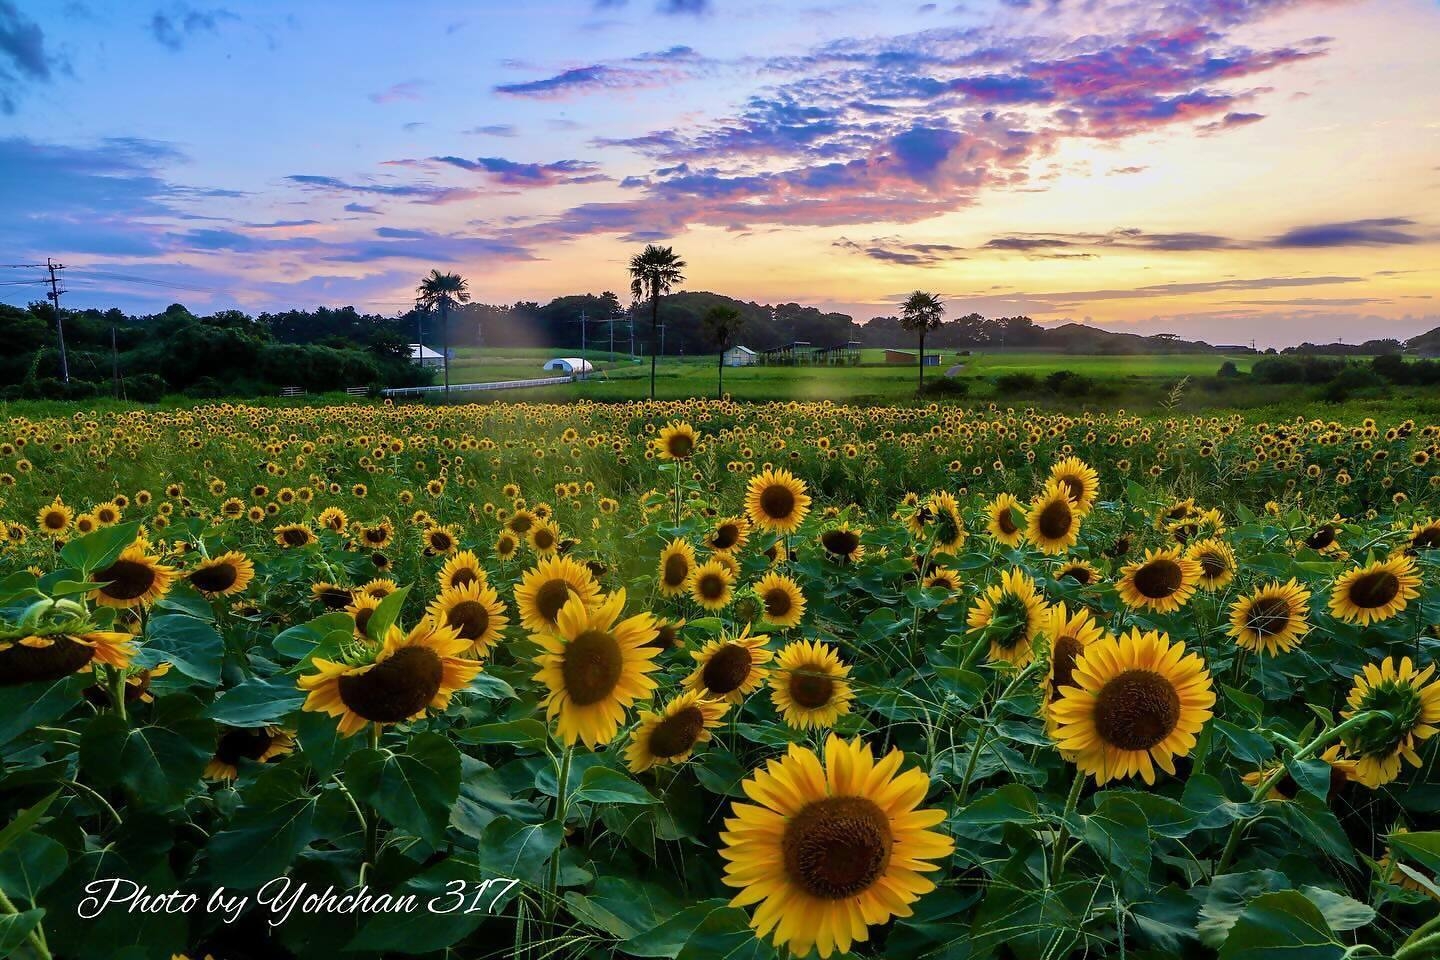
571 365
423 355
738 356
904 356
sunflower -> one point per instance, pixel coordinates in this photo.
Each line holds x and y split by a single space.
332 595
729 535
545 589
506 546
1080 571
842 544
135 579
473 611
54 519
1425 536
461 569
1342 770
730 667
781 600
1217 562
776 501
1011 613
520 522
544 538
595 668
379 587
1137 703
671 735
294 535
377 536
441 540
667 634
223 576
1413 705
32 658
394 681
677 566
1068 635
942 578
259 744
1002 526
808 685
1079 480
1376 592
1272 619
947 530
333 519
1163 582
1052 523
676 441
711 585
361 607
828 850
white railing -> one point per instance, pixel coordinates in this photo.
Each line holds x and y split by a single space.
292 391
467 387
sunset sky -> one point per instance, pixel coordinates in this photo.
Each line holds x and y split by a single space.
1221 170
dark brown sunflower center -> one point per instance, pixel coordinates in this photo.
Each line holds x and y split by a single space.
54 520
550 598
440 541
667 635
592 667
1005 522
1136 710
296 537
1062 664
521 523
727 669
1159 579
837 848
777 502
842 543
377 536
544 539
1374 589
677 734
811 690
26 664
126 579
1213 565
1055 519
711 586
1074 488
679 445
335 598
677 568
1321 538
215 579
1427 538
362 618
1268 616
469 618
1080 575
238 745
396 688
726 536
463 577
778 603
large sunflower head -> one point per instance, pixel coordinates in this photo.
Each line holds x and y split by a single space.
1410 702
595 667
135 579
1067 635
1272 619
776 501
946 530
676 567
808 685
391 682
676 441
711 586
1052 523
462 569
474 612
830 848
1425 536
729 535
1164 581
223 576
1079 480
1001 521
59 648
671 735
781 601
1217 562
54 519
544 590
730 667
1010 613
1376 592
842 543
238 744
1137 702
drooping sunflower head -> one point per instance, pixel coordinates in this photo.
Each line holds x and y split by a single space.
1273 619
1409 702
946 531
135 579
1082 572
293 535
544 590
711 586
239 744
830 848
56 650
1375 592
1052 523
676 441
671 735
730 667
676 568
1079 480
1217 562
667 634
808 685
729 535
462 569
332 595
1425 536
474 612
1001 523
776 501
842 543
1164 581
1324 538
1010 614
1137 702
223 576
782 603
595 666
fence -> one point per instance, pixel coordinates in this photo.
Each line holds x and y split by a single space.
469 387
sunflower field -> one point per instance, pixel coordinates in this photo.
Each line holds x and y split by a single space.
701 679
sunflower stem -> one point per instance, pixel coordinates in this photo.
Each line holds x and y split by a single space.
1423 933
117 693
1062 836
984 732
371 818
562 801
36 938
1427 946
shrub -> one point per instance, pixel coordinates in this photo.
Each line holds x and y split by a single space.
1017 383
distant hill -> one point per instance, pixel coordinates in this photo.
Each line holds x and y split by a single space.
974 332
1426 344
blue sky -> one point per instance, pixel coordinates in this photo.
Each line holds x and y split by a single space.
1219 169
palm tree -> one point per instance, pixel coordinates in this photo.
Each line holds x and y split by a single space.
652 273
442 290
723 325
920 313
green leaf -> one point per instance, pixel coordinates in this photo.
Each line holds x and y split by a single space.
16 927
527 732
1312 776
98 550
300 641
1120 835
492 687
1227 898
278 820
385 615
30 865
1423 847
159 761
31 705
24 822
1167 921
1281 926
1341 912
1012 803
607 785
670 937
257 702
413 790
518 851
192 646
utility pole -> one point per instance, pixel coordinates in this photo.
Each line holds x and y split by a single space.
114 363
54 298
662 339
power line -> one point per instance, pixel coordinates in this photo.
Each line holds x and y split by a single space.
54 295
